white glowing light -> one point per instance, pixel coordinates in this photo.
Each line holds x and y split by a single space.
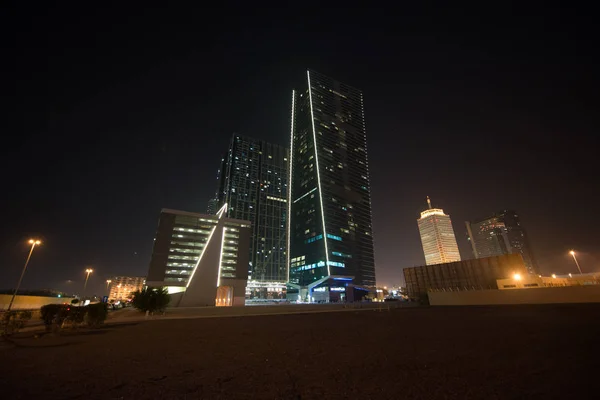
304 195
212 231
221 258
312 120
289 216
432 211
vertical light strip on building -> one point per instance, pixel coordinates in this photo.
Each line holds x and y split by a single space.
289 216
221 257
312 120
219 213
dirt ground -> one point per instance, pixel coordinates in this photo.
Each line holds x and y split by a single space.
502 352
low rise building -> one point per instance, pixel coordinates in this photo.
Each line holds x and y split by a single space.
201 259
481 273
538 281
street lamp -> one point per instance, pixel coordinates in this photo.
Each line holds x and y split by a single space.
517 277
33 243
576 263
108 281
88 271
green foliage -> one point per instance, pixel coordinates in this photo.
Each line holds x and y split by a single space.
53 314
74 301
96 314
152 299
75 315
13 321
56 315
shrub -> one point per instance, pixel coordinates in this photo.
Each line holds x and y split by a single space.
13 321
96 314
53 314
75 315
151 299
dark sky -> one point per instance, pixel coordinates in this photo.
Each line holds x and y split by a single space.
116 113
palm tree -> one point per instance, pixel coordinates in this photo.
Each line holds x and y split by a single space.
151 299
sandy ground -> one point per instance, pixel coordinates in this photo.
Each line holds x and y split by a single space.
507 352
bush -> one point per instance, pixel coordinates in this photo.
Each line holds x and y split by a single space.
151 299
53 315
75 315
13 321
96 314
56 315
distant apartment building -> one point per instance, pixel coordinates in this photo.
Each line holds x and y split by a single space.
122 287
481 273
437 236
201 259
253 182
500 233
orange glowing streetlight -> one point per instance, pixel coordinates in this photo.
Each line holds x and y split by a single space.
88 271
517 277
33 243
576 263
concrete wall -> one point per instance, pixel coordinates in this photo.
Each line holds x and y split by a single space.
30 302
547 295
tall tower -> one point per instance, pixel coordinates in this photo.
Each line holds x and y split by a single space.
330 232
501 233
253 182
437 236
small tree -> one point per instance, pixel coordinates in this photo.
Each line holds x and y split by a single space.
54 315
12 321
151 299
96 314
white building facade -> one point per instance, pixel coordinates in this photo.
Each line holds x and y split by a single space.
437 236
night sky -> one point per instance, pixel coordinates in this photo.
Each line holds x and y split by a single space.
116 113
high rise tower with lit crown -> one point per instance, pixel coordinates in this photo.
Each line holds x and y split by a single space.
437 236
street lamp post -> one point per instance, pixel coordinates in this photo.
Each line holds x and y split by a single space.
33 243
108 281
576 263
88 271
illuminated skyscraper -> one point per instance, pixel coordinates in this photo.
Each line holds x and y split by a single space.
501 233
253 182
437 236
330 239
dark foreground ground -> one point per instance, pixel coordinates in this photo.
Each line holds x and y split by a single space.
504 352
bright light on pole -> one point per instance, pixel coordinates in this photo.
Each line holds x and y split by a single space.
576 263
108 281
88 271
33 243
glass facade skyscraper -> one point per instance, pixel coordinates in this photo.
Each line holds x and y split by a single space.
253 182
437 236
501 233
330 239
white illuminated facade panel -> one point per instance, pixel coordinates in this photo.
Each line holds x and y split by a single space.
437 237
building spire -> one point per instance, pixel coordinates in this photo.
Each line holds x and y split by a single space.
429 202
